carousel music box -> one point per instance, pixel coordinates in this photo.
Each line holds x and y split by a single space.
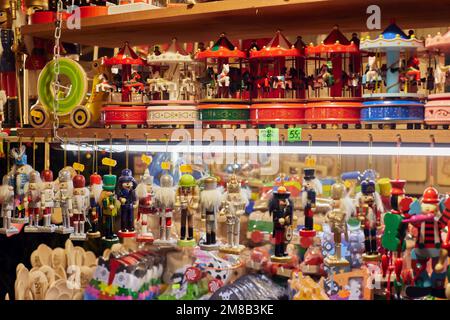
437 108
172 88
225 85
127 105
390 87
278 94
334 83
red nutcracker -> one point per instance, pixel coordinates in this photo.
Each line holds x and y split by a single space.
80 207
48 200
146 208
32 201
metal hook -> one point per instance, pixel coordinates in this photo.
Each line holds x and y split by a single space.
310 140
433 140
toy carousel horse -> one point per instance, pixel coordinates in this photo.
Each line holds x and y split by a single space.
372 74
187 85
324 78
412 69
159 85
207 82
104 85
223 81
440 77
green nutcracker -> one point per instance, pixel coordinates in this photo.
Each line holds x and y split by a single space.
110 206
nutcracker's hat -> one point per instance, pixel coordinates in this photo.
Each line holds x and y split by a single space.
109 182
398 187
64 176
309 173
367 186
127 176
79 181
147 178
430 195
281 193
95 179
47 175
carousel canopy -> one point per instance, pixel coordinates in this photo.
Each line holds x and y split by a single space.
335 42
173 54
279 46
125 56
392 38
439 42
223 48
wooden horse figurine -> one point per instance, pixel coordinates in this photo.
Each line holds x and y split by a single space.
223 81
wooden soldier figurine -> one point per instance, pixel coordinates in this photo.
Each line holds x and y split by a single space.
210 199
110 207
187 202
48 200
64 200
165 202
7 202
94 212
32 201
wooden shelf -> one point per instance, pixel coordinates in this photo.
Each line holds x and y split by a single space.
243 19
323 135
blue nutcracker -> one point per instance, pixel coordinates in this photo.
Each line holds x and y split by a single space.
129 201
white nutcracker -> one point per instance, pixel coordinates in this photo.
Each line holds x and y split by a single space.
64 200
7 202
32 201
233 207
80 207
21 171
146 208
165 197
47 200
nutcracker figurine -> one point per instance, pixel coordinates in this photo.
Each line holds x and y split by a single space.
7 202
80 207
94 212
165 201
281 209
32 201
128 202
369 212
338 223
210 199
309 194
187 202
110 207
21 172
233 207
64 200
146 208
48 200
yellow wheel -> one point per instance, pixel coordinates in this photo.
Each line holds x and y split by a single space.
39 116
80 117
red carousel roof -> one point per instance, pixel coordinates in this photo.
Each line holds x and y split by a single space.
335 42
125 56
174 47
223 48
279 46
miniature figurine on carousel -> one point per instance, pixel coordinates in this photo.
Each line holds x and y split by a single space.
210 199
128 200
165 202
48 200
94 212
146 208
233 207
7 200
337 218
187 202
284 221
110 207
32 201
64 200
80 207
369 211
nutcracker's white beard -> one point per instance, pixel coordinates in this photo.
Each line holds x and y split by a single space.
210 199
165 196
4 193
35 195
141 191
96 190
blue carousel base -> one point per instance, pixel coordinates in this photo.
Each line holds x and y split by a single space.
392 111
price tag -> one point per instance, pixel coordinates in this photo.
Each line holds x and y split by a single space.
78 166
146 159
109 162
165 165
269 134
294 134
310 161
186 168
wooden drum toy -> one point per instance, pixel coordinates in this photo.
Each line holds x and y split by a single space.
333 111
224 114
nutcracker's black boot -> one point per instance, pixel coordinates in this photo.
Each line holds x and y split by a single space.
190 233
283 251
373 245
208 238
183 233
367 246
213 237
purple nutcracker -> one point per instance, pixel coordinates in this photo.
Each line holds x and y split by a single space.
128 200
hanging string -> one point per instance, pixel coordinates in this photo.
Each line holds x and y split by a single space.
65 151
430 163
399 143
93 156
110 151
339 156
127 151
370 160
34 152
79 150
8 163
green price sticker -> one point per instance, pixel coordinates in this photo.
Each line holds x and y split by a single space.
269 134
294 134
